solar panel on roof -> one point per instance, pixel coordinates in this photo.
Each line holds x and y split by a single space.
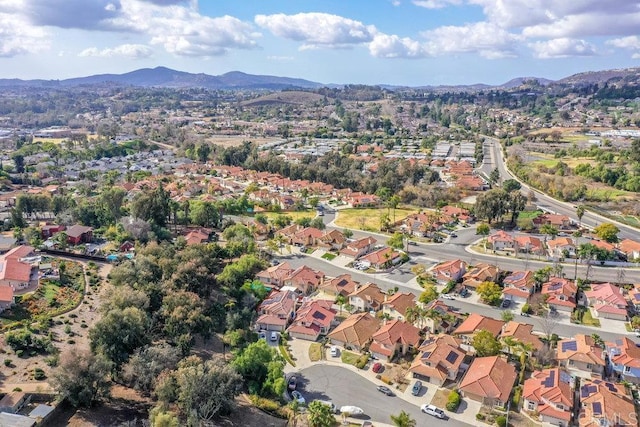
611 387
565 378
569 346
597 408
550 380
452 357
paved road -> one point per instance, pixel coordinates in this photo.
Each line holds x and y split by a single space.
343 387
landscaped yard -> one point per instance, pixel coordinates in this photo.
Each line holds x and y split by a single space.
368 219
349 357
329 256
315 351
588 319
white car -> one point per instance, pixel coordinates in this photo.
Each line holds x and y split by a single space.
274 336
334 351
433 410
448 296
298 396
351 410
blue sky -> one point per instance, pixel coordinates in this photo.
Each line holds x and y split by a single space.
402 42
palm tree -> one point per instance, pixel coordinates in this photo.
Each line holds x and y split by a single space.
341 300
511 343
580 213
403 419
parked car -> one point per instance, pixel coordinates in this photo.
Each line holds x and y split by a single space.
505 303
433 410
453 235
464 293
292 383
298 396
377 367
385 390
262 335
352 410
447 296
417 387
334 351
274 336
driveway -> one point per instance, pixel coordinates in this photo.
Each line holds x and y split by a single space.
344 387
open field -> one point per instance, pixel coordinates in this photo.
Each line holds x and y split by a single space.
235 140
368 219
295 215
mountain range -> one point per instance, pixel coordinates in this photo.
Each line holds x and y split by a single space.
168 78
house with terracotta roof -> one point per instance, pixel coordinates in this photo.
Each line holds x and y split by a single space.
461 214
196 237
313 319
358 200
308 236
489 380
581 356
624 359
561 293
276 311
480 273
562 247
549 393
441 358
530 245
382 258
396 305
605 404
304 279
341 285
355 331
420 224
367 297
519 286
606 301
634 298
521 333
477 322
442 318
275 275
358 248
501 241
332 240
77 234
449 270
16 272
395 337
630 248
562 222
6 297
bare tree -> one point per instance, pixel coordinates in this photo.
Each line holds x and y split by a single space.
548 324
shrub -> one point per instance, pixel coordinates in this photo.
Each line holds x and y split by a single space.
19 353
453 401
38 374
362 361
480 417
501 421
526 308
8 362
265 404
517 392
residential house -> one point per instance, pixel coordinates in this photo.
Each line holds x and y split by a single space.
304 279
449 270
77 234
630 248
308 236
519 286
624 359
332 240
49 230
549 393
6 297
489 380
606 301
355 331
440 318
461 214
562 247
480 273
196 237
313 318
521 333
581 356
382 258
367 297
634 298
358 248
441 359
477 322
358 200
13 402
561 294
16 272
419 224
126 246
396 305
605 404
561 222
501 241
529 244
288 232
274 276
276 311
341 285
395 337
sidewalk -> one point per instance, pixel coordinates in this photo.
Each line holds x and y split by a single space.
300 353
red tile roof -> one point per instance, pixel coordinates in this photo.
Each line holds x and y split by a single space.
489 377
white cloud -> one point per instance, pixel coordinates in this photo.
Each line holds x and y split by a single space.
562 48
436 4
630 42
392 46
317 30
488 40
134 51
280 58
18 37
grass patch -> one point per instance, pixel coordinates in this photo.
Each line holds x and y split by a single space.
315 351
295 215
605 194
368 219
529 214
329 256
284 350
588 319
441 398
349 357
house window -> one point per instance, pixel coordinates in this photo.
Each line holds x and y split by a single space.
627 369
531 406
589 366
571 362
561 407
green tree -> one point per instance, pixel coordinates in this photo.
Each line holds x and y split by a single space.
262 369
549 230
580 211
146 364
507 315
403 419
490 292
494 176
319 415
485 344
429 294
510 185
82 377
607 232
396 241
